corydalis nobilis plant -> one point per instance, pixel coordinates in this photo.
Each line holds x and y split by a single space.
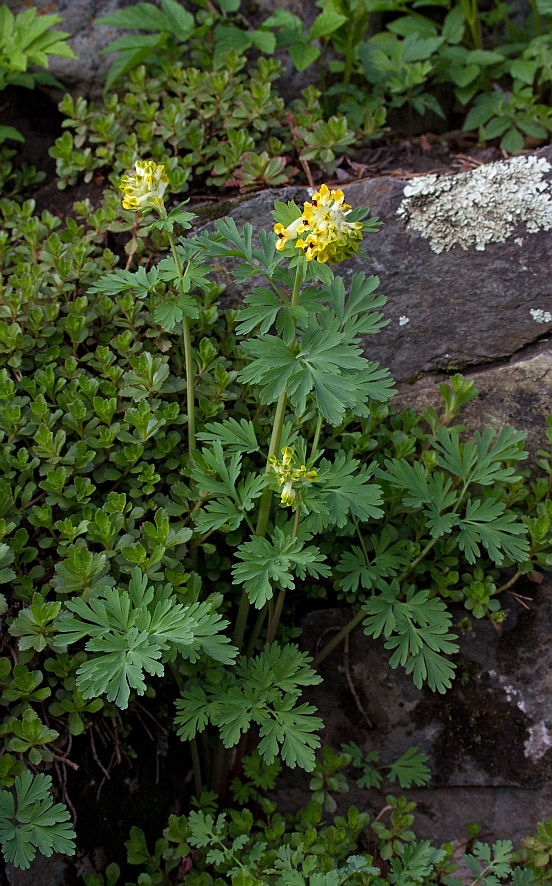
308 373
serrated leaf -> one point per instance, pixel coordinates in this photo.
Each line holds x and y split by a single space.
325 24
269 564
417 630
32 821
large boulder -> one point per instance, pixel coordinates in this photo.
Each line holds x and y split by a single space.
464 260
465 263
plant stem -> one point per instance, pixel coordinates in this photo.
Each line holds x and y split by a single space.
276 436
536 13
275 618
508 584
188 358
194 750
415 562
266 497
336 640
256 631
349 53
315 442
198 780
275 439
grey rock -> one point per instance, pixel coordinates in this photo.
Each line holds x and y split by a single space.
516 393
488 739
52 871
479 300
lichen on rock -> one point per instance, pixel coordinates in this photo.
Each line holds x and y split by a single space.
479 207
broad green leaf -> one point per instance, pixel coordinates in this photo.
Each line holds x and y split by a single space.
325 24
141 16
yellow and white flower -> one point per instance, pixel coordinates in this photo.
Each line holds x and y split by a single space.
330 237
290 233
288 477
144 189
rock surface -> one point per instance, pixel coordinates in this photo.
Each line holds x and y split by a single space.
517 393
471 303
488 739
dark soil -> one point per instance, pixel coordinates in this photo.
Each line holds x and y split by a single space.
37 118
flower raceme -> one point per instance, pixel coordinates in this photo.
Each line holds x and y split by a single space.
288 477
144 189
330 237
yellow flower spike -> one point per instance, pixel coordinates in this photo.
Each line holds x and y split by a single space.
287 476
145 188
331 237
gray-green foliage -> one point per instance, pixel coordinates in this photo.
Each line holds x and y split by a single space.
30 820
134 632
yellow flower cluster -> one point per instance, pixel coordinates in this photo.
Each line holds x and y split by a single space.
144 189
288 476
330 237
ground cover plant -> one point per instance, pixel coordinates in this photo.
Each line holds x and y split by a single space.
260 845
203 86
179 482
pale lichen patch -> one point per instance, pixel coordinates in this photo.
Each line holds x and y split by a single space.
539 741
540 316
478 207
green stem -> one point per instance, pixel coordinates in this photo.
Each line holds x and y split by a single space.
275 439
349 53
337 638
415 562
356 619
316 440
198 780
536 13
266 497
196 762
256 631
509 584
275 619
188 357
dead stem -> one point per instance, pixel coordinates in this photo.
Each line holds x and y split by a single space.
351 684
